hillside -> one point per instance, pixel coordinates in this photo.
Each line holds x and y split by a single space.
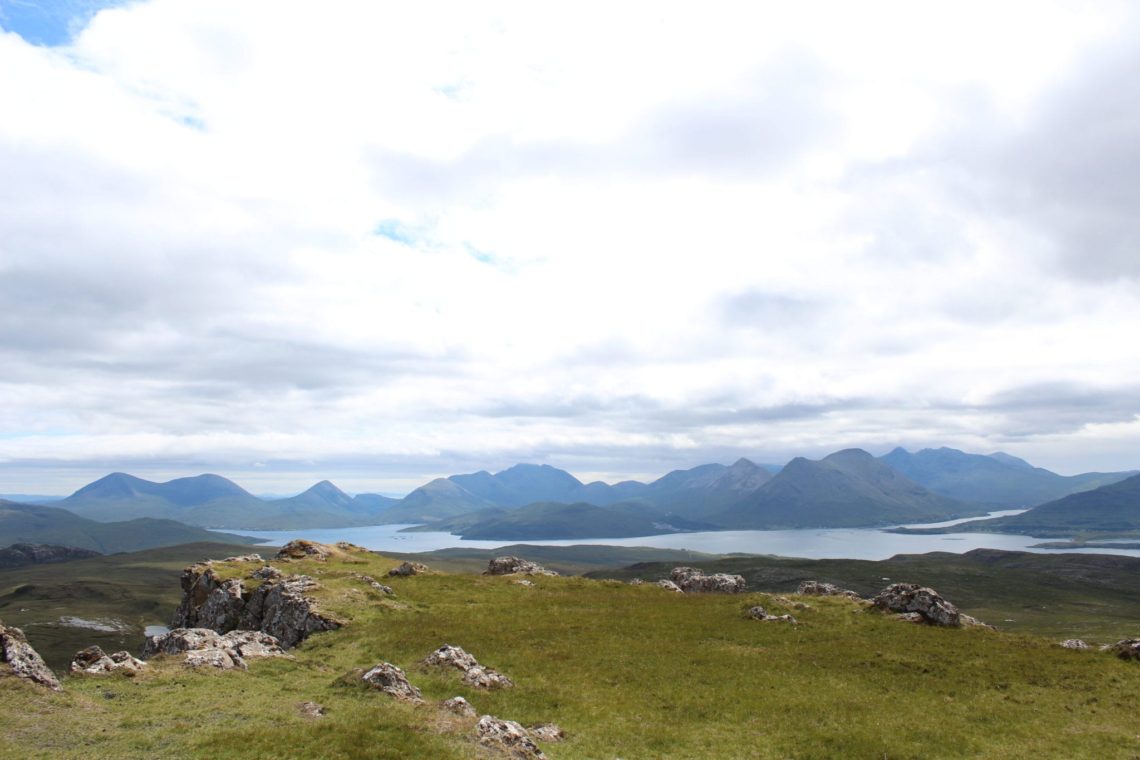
998 480
846 489
626 671
32 524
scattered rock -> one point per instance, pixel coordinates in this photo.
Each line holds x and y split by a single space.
1074 644
910 617
302 549
375 584
793 603
311 710
94 661
267 573
546 732
692 580
911 598
244 558
459 706
23 661
669 585
409 568
636 582
818 588
204 647
523 582
1125 649
474 674
508 735
969 621
392 681
759 613
510 565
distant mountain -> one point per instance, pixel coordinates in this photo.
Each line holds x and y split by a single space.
34 524
20 555
998 480
849 488
700 492
1114 508
214 502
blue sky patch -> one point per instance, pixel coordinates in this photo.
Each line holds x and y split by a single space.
50 22
394 229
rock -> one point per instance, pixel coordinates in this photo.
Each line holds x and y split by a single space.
969 621
546 732
508 735
204 647
19 555
23 661
459 706
302 549
692 580
1074 644
280 606
474 674
510 565
311 710
910 597
409 568
524 582
392 681
636 582
1125 649
910 617
244 558
818 588
94 661
759 613
267 573
375 584
669 586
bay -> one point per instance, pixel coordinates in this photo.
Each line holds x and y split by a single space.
810 543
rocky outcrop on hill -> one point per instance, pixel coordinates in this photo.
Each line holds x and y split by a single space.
510 565
818 588
912 598
408 568
94 661
302 549
204 647
392 681
23 661
19 555
279 606
691 580
509 736
474 674
1125 649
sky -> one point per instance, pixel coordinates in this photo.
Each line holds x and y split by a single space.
380 243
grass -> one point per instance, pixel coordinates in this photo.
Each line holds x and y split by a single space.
627 671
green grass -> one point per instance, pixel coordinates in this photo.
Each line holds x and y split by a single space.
630 672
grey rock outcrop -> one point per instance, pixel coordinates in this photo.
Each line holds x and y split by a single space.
23 661
19 555
279 606
459 706
203 647
509 736
511 565
375 585
409 568
911 598
819 588
302 549
392 681
759 613
94 661
669 585
474 674
1125 649
546 732
691 580
1074 644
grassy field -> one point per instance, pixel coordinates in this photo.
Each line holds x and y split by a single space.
627 671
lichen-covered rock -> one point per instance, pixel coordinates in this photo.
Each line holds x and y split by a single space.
392 681
524 582
969 621
23 661
1074 644
266 573
509 736
204 647
459 706
482 677
636 582
409 568
910 617
375 584
511 565
759 613
284 610
1125 649
311 709
692 580
244 558
911 597
474 674
302 549
546 732
669 585
818 588
94 661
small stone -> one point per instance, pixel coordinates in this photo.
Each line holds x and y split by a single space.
636 582
524 582
409 568
508 735
759 613
94 661
311 710
1074 644
392 681
509 565
486 678
267 573
459 706
818 588
669 585
451 656
546 732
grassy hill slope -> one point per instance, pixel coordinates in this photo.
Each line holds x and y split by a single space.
626 671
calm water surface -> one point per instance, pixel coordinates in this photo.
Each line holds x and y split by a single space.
834 543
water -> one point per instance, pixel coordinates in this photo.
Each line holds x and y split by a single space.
155 630
832 543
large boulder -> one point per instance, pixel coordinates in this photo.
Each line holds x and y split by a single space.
692 580
279 606
819 588
204 647
511 565
913 598
506 735
408 568
23 661
392 681
94 661
474 674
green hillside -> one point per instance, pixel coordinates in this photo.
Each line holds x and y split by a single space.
627 671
